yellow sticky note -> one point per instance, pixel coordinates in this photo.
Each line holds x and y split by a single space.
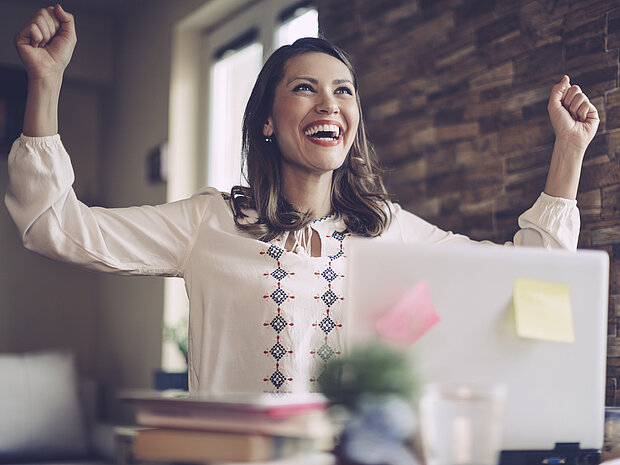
543 310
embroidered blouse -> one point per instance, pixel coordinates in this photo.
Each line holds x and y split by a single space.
261 318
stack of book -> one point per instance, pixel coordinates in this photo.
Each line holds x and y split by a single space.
267 428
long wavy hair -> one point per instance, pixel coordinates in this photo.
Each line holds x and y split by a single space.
358 194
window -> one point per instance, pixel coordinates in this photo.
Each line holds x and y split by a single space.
232 77
297 22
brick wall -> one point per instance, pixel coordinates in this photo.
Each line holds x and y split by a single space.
454 94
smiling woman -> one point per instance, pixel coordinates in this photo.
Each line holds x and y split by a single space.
265 265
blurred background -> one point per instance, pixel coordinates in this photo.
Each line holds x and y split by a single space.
454 95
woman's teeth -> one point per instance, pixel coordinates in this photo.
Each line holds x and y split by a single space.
323 132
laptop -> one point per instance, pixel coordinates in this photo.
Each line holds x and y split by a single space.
556 390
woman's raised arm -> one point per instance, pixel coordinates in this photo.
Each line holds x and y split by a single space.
575 121
45 47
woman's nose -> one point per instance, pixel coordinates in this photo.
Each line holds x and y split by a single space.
327 105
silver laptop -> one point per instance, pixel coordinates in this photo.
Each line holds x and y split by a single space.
556 390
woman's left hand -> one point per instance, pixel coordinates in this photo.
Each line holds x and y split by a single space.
574 119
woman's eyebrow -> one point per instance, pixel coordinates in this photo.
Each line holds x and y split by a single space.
315 81
302 78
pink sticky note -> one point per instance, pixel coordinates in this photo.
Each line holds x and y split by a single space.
412 316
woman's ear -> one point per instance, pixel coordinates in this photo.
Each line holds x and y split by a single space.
268 128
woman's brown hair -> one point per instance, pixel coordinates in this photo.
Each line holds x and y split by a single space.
358 195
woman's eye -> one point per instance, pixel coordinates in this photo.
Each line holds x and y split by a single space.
303 87
344 90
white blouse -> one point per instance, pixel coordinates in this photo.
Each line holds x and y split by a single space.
262 318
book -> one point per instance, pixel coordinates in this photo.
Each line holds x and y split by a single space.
288 415
182 445
308 425
272 405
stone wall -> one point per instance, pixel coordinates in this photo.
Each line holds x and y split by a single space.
454 95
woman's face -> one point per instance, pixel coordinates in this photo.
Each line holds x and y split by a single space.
315 115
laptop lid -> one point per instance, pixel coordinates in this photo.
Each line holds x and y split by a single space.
556 390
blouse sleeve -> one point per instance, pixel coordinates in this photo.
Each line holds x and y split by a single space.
552 223
147 240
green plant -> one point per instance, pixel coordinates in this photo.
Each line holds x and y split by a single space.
376 369
179 336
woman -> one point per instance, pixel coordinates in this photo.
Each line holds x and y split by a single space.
264 267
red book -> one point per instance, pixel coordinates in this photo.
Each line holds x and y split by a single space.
293 415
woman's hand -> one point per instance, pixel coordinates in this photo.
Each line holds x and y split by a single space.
46 44
574 119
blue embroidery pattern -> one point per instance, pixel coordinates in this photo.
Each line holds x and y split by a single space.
329 298
278 323
319 220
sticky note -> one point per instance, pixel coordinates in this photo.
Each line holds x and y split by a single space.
543 310
412 316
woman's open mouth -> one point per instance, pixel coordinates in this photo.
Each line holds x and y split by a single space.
325 133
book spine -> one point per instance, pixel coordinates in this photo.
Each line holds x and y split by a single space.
309 427
195 446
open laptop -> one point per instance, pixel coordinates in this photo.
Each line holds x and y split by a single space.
556 390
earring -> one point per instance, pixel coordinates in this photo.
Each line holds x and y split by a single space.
268 139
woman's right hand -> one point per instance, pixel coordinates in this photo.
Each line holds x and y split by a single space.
46 44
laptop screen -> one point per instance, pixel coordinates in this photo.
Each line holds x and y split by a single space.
556 388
